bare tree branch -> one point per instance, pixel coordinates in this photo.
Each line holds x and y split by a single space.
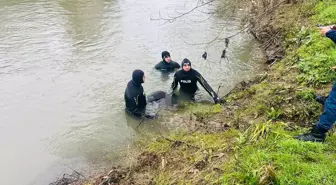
173 18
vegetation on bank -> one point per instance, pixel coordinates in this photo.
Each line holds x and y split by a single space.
249 139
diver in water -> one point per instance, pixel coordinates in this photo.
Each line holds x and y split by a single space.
135 98
188 78
167 65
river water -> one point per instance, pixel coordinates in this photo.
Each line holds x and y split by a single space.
64 66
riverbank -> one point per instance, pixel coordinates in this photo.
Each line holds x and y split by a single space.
249 138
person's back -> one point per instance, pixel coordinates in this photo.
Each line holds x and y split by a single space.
135 99
167 65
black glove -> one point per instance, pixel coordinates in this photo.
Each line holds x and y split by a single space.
217 100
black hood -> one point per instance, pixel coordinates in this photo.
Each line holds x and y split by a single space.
137 76
185 61
165 54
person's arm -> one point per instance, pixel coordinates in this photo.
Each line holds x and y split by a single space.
177 66
331 34
207 87
175 83
158 66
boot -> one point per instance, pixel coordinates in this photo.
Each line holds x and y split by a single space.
321 99
315 135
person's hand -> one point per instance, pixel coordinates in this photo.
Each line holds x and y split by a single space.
216 100
324 30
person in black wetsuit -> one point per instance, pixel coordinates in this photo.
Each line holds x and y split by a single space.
188 78
167 65
135 98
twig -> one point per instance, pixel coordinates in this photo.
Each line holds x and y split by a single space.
72 169
143 119
220 85
171 19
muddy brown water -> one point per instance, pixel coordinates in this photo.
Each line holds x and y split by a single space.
64 66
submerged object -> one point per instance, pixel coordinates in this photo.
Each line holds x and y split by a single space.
205 55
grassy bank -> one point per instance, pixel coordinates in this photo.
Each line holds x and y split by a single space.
249 138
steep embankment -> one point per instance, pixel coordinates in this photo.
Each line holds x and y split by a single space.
249 138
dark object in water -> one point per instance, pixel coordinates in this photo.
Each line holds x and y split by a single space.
223 53
205 55
227 42
155 96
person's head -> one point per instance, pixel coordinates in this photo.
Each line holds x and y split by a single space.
138 76
166 56
186 65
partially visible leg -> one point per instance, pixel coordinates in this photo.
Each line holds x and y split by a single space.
326 122
328 117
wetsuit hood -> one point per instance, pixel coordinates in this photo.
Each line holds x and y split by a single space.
137 77
186 61
165 54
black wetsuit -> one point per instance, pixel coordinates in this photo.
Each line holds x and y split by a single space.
188 83
137 104
167 67
135 98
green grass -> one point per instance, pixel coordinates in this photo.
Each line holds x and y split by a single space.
317 54
325 12
307 94
266 153
276 158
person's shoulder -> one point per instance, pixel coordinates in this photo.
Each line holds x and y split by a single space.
194 71
129 83
179 72
159 65
174 62
130 86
